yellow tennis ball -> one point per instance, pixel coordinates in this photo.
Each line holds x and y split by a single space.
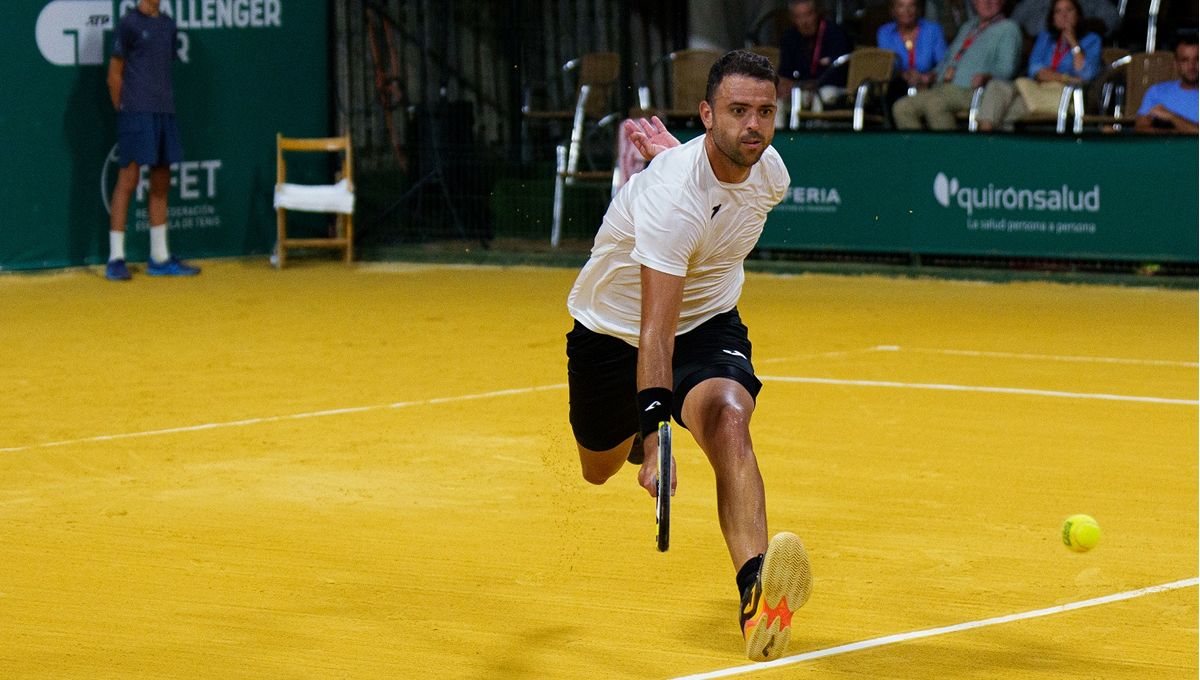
1080 533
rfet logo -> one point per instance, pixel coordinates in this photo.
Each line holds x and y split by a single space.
192 180
71 32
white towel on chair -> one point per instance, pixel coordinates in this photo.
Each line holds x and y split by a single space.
336 198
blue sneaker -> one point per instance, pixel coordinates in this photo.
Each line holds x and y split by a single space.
116 270
172 267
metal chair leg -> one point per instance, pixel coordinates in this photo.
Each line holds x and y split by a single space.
560 178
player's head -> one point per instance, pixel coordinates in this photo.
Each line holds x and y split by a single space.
1185 60
738 110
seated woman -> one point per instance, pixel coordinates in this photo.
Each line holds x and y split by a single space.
1060 57
919 45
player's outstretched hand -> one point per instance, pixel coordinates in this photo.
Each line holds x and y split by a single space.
650 137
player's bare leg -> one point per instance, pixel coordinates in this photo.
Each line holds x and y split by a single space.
599 466
717 412
777 576
127 179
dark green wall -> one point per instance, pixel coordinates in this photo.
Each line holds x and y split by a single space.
247 75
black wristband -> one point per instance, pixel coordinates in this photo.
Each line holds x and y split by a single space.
654 406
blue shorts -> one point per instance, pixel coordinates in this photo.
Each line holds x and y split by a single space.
147 139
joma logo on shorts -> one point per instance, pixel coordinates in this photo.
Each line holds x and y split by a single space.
71 32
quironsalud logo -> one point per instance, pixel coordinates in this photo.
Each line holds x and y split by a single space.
944 189
71 32
991 197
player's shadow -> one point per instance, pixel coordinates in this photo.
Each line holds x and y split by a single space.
520 659
89 131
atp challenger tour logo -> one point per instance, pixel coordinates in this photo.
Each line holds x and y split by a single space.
991 198
73 32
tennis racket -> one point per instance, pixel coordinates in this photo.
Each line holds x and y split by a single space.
663 505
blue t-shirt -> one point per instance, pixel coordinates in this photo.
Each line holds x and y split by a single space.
1176 99
930 47
147 44
1042 56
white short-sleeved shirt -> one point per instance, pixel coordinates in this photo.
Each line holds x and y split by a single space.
676 217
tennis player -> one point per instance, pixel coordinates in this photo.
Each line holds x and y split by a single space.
657 332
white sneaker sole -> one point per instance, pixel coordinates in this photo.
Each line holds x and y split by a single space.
786 576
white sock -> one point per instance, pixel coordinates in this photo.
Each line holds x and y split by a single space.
158 244
116 245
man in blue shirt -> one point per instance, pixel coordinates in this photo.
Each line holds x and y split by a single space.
986 47
139 82
1172 106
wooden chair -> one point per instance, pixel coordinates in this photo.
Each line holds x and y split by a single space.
1141 71
688 78
337 198
598 72
869 71
1114 59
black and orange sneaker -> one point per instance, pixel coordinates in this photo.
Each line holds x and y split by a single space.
783 585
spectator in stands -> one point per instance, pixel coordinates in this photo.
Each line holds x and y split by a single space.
918 43
1172 106
139 82
1062 56
988 47
1031 14
807 49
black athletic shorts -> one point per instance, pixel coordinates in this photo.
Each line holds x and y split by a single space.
602 375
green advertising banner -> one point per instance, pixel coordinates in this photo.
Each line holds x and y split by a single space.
1091 198
246 69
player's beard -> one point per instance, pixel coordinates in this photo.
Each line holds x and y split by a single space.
732 148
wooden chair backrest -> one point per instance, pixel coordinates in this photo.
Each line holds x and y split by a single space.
869 63
1144 70
312 144
599 71
689 77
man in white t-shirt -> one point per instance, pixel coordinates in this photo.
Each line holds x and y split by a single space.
657 332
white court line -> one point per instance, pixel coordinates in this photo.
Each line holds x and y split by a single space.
943 630
291 416
818 355
1041 357
525 390
980 388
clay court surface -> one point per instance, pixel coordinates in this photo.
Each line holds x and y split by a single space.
367 472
